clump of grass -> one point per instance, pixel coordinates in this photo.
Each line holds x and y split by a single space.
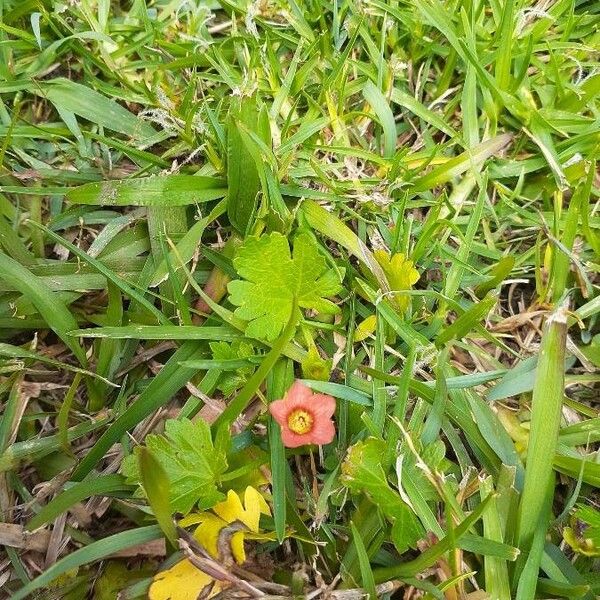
396 203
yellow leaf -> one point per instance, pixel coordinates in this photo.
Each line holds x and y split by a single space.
183 581
400 273
365 328
228 511
207 532
315 367
232 510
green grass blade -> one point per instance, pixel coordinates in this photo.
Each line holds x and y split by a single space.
368 581
52 310
469 159
88 554
108 273
380 106
94 486
167 191
546 408
161 389
238 404
93 106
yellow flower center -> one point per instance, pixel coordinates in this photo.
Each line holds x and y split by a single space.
300 421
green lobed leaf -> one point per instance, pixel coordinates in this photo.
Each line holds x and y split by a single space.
192 463
362 472
272 278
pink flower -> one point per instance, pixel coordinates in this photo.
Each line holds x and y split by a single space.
304 417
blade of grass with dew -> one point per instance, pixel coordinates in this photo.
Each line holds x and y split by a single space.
166 192
160 332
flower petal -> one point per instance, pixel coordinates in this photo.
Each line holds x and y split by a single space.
323 406
293 440
322 433
298 393
280 410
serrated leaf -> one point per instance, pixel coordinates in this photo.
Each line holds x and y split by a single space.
192 463
362 472
272 278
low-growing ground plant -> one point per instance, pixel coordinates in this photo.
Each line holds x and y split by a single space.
299 299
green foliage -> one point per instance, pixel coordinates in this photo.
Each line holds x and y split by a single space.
230 381
272 278
314 366
115 578
193 464
243 177
583 535
362 472
438 159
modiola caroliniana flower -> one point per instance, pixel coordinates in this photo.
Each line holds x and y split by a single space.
304 417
